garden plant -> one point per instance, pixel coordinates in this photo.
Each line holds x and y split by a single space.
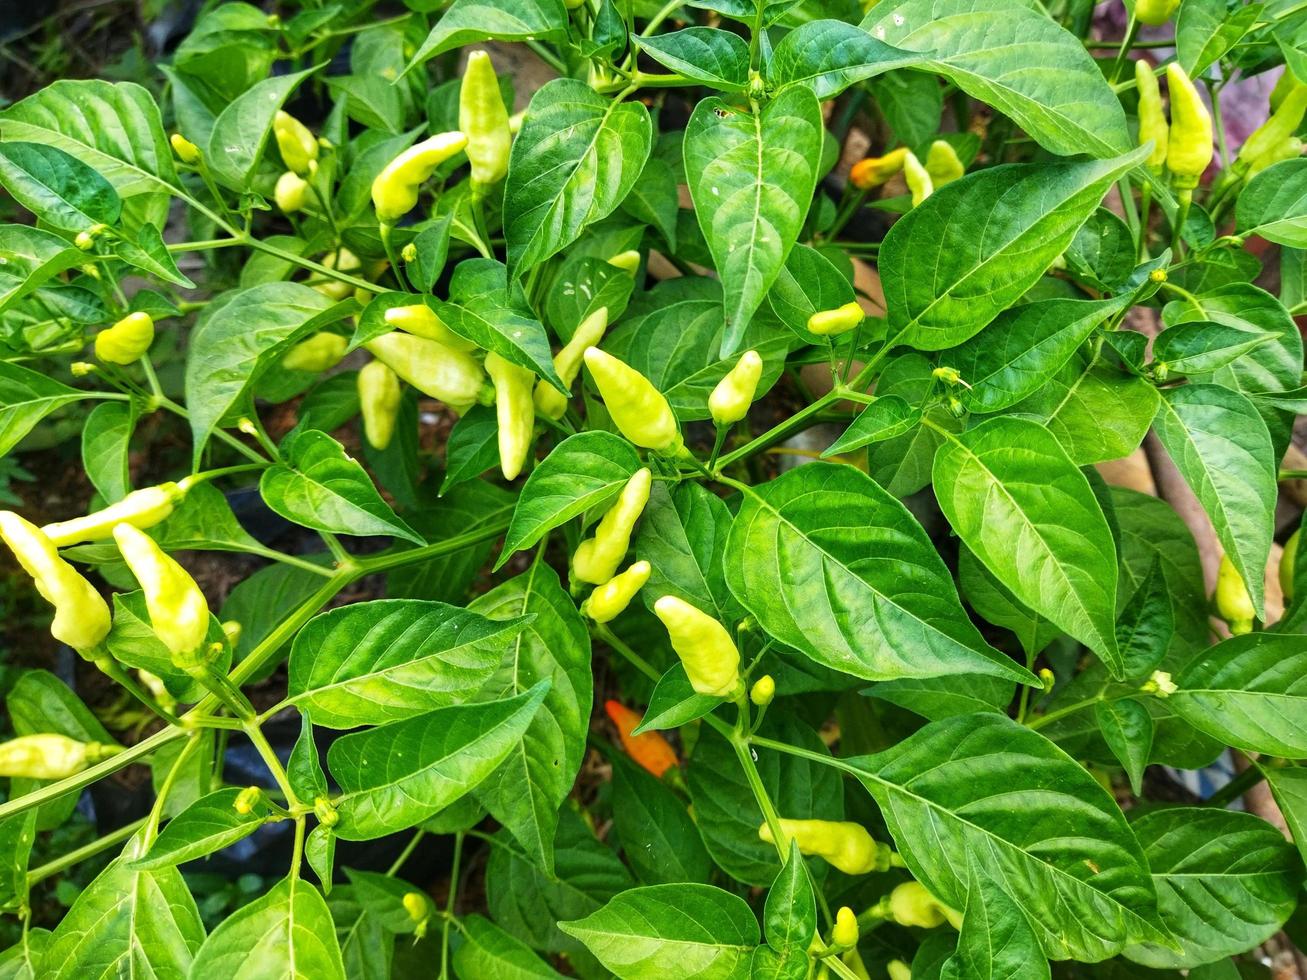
716 489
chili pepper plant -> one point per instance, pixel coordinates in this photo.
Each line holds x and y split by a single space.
861 404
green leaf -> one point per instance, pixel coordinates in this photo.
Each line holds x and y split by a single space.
106 438
207 825
996 941
987 48
391 659
150 254
1226 882
113 128
828 56
671 930
1199 347
28 258
57 187
887 417
493 326
1289 786
241 130
132 641
657 835
1146 624
320 487
1127 728
1274 204
752 176
655 201
394 776
1221 447
577 156
1250 692
673 701
584 471
1065 855
994 602
26 397
709 55
365 946
987 238
790 913
829 563
487 952
682 536
127 923
470 21
808 283
287 933
528 786
1206 30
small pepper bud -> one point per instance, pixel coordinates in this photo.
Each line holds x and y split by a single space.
179 614
418 907
299 148
898 970
731 398
550 402
845 930
638 409
1287 561
918 179
127 340
85 240
843 844
649 749
141 508
326 812
158 690
187 152
379 400
1046 679
247 800
874 171
515 411
763 690
291 192
316 354
395 190
421 321
830 323
1233 603
628 261
709 655
409 253
81 616
608 601
232 630
943 163
81 369
948 375
596 559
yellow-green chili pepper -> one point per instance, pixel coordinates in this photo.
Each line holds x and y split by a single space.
845 930
943 163
395 190
421 321
829 323
342 260
379 398
843 844
898 970
628 261
291 192
179 614
515 411
1189 142
596 559
918 179
731 398
483 116
140 508
1288 150
550 402
187 152
608 601
910 904
1287 560
1152 119
709 655
315 354
127 340
638 409
1271 135
49 756
1233 603
1154 13
81 616
298 146
248 800
763 691
874 171
453 377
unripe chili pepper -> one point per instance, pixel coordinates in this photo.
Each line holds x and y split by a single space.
911 904
1155 12
638 409
898 970
187 152
49 756
1152 119
81 616
315 354
596 559
608 601
919 182
395 190
845 930
80 369
421 321
127 340
628 261
943 163
515 411
298 146
1287 560
649 749
179 614
379 398
829 323
484 118
291 192
843 844
418 907
453 377
1285 84
1233 603
550 402
1189 142
342 260
248 800
140 508
1272 134
874 171
709 655
763 691
853 960
730 400
232 631
1288 150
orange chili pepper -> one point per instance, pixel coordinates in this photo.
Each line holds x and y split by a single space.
649 749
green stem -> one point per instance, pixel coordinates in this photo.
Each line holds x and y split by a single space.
97 846
405 854
1127 42
669 8
269 757
160 800
450 903
1237 786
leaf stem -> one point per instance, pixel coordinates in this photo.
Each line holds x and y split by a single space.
100 844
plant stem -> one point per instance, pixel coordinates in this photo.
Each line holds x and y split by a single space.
406 853
450 902
100 844
1127 42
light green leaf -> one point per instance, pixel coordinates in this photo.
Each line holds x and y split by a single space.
1127 728
709 55
1289 786
487 952
57 187
996 941
241 130
1200 347
26 397
1206 30
28 258
829 55
207 825
469 21
1274 204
